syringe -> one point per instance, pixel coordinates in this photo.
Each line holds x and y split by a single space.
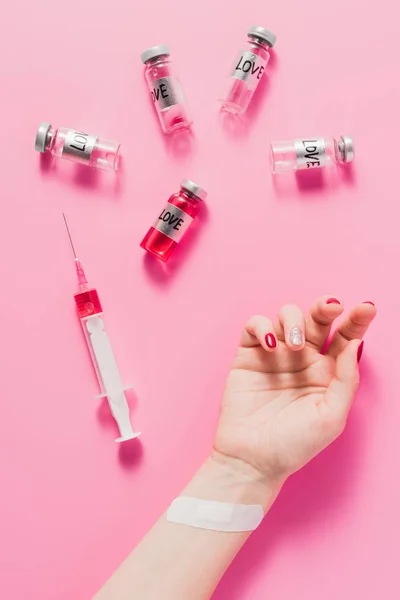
90 314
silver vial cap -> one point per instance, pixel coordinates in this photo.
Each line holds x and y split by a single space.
154 52
193 189
346 148
41 140
263 34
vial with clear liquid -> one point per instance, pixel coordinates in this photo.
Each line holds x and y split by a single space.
173 221
311 153
248 70
78 146
165 89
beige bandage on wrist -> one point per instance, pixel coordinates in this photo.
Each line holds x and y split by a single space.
218 516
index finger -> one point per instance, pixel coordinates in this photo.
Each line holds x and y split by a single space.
354 327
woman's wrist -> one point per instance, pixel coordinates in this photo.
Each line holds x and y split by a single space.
226 479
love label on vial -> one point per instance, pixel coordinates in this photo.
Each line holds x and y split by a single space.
79 144
173 222
249 67
166 92
310 153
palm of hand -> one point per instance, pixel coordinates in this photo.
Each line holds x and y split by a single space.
276 413
281 407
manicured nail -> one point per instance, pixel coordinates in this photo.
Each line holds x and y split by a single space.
369 302
360 350
296 336
333 301
270 340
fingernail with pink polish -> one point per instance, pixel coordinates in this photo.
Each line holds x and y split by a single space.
270 340
360 351
369 302
333 301
296 337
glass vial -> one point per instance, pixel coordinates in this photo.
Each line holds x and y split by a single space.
165 89
248 70
174 219
78 146
311 153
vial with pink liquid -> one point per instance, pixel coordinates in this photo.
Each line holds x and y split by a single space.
175 218
248 70
311 153
78 146
165 89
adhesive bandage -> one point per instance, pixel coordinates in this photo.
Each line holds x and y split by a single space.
218 516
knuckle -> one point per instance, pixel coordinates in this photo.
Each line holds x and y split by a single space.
287 308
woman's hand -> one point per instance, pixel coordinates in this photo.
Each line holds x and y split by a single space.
288 396
284 402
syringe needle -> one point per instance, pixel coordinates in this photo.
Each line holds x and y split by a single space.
69 235
82 281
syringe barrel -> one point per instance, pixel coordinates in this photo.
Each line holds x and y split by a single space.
89 307
88 303
111 386
91 317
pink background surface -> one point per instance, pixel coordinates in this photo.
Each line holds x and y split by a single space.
72 502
